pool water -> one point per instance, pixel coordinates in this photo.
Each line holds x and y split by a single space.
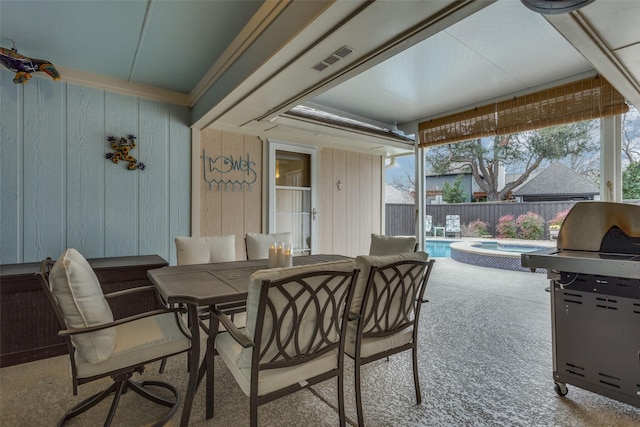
442 248
438 248
505 247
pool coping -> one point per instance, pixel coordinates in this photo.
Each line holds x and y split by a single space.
467 246
464 251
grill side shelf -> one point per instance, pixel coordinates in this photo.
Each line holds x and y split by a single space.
608 265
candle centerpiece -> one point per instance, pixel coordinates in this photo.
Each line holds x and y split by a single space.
280 255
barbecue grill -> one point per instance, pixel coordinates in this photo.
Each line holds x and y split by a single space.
595 300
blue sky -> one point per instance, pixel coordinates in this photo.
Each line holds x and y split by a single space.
405 163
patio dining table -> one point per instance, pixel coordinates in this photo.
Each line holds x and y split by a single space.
209 285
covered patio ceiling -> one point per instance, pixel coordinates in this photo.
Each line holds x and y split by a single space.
243 68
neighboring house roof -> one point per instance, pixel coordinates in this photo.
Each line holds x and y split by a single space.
557 179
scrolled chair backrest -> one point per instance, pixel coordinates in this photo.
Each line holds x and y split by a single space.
391 302
297 314
388 290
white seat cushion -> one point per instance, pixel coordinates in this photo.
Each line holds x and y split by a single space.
139 341
371 346
258 244
387 245
364 263
271 379
204 250
79 296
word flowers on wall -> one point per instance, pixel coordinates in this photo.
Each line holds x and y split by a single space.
227 173
123 147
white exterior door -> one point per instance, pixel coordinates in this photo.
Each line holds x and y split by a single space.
292 195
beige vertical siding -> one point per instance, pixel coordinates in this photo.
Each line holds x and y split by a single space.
346 217
225 209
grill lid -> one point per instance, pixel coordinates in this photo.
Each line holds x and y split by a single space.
603 227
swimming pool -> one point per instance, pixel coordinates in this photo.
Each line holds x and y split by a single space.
438 248
504 255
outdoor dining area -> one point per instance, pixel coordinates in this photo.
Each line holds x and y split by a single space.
206 242
300 321
480 350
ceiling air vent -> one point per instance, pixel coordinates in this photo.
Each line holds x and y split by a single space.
333 58
320 66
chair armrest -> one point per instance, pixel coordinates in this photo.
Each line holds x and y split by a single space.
233 330
66 332
130 291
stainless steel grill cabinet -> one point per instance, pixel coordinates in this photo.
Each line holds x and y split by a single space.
595 300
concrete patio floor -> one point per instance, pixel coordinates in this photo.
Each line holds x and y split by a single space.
485 360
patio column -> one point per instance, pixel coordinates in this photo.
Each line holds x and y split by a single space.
419 197
611 159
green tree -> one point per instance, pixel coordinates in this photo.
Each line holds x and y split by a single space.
631 181
485 157
631 135
453 193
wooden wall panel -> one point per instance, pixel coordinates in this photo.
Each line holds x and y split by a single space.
339 208
324 226
121 225
229 208
377 185
366 187
43 151
11 138
347 217
232 198
355 207
179 177
85 186
154 180
253 203
59 191
210 196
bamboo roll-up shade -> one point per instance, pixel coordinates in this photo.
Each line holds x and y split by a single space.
575 102
477 123
586 99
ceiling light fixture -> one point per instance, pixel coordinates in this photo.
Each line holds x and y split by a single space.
333 58
553 7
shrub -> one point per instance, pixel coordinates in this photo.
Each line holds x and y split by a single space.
478 228
507 227
558 219
531 226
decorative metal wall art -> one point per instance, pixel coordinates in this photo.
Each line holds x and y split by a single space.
123 147
226 173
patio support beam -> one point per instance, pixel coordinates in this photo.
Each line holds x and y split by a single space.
419 196
611 159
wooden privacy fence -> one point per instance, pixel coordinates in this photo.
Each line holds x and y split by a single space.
399 219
